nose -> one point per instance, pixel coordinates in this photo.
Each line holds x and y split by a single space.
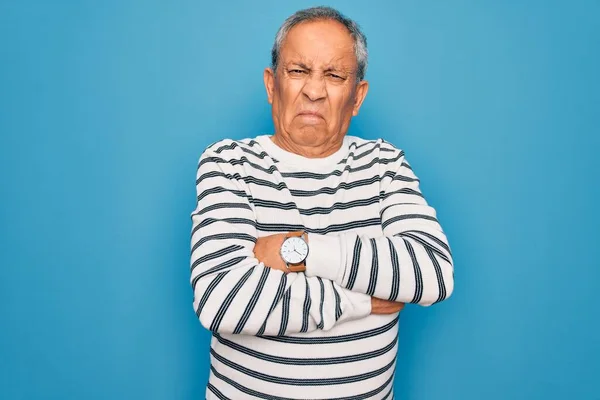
314 88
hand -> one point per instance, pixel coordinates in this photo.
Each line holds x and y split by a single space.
379 306
267 249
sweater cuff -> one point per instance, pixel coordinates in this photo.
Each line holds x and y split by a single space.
324 256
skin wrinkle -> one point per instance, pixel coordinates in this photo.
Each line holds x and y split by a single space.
311 55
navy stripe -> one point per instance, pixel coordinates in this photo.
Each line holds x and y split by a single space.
377 147
367 143
426 245
355 262
220 206
308 361
307 304
398 177
374 268
347 168
228 300
281 227
209 221
412 192
391 391
244 389
417 269
216 392
395 271
334 190
438 273
246 179
334 339
338 302
219 189
321 324
353 157
234 162
316 210
243 147
403 217
223 236
250 307
216 254
433 238
278 296
224 265
261 395
301 381
285 312
206 295
403 178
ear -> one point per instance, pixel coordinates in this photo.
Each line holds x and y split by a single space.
361 93
269 78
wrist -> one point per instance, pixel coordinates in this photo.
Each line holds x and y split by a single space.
325 256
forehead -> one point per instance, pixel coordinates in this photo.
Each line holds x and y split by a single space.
319 42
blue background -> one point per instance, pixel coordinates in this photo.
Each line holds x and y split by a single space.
106 106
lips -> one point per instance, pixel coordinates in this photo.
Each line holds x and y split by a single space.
310 114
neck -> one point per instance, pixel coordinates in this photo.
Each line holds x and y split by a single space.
320 150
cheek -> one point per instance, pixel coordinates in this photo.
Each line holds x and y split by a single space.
289 97
342 105
289 87
279 99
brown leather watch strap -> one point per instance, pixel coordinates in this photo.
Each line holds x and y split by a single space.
301 267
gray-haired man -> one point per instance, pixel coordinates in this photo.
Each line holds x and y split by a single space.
306 244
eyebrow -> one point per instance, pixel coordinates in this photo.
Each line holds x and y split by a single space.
300 64
329 68
333 69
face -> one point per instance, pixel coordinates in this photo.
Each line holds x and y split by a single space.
314 92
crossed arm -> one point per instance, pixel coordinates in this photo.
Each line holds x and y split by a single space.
267 251
239 281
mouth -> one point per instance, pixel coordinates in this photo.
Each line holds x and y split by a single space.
310 114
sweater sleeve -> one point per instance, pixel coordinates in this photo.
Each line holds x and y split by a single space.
233 291
411 262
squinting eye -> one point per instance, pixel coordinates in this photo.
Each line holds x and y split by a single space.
334 76
296 71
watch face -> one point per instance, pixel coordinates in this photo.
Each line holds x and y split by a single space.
294 250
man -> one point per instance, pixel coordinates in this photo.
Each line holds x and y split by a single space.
306 244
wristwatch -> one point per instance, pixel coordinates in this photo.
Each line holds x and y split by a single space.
294 251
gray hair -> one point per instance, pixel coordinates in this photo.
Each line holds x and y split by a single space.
324 13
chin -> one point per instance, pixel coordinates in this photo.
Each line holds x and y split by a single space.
310 135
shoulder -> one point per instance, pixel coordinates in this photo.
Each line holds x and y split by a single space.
236 157
234 152
230 149
379 149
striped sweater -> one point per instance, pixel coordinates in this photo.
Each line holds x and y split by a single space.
310 335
